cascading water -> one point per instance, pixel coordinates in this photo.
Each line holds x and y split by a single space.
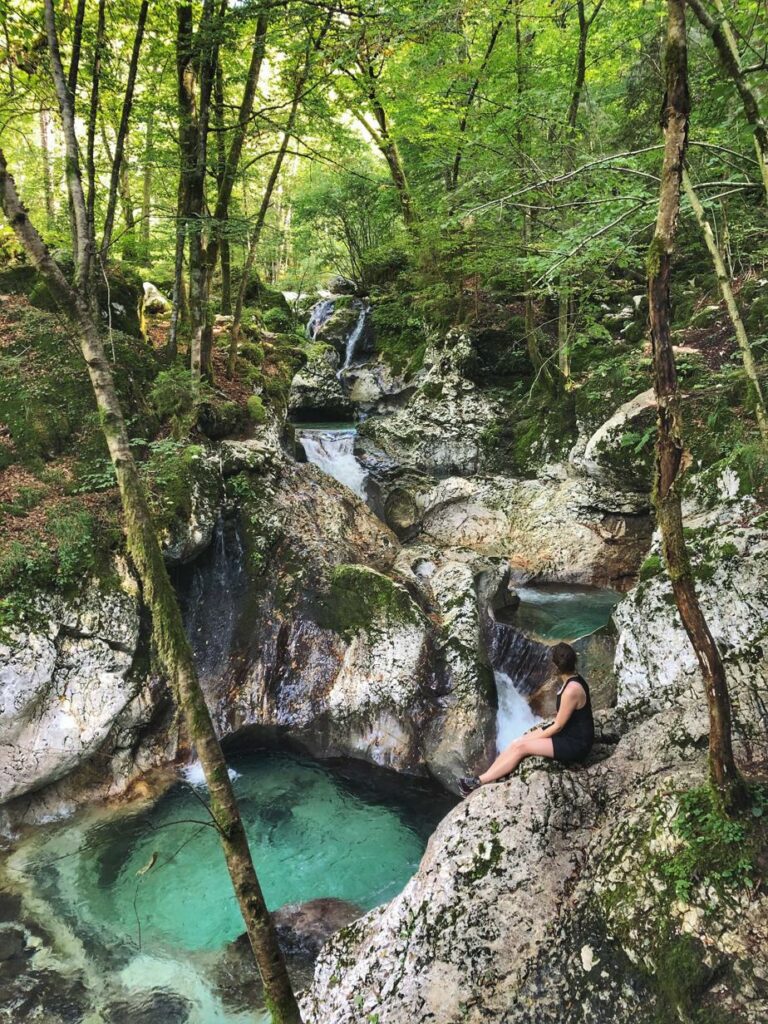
333 451
354 338
320 312
519 648
211 593
514 716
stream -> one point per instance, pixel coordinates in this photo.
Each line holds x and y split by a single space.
331 447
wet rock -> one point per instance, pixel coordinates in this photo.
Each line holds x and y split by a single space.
304 928
155 1007
187 535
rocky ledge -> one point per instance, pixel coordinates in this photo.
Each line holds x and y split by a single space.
562 895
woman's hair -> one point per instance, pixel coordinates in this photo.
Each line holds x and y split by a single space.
564 657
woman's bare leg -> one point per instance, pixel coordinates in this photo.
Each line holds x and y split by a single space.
511 756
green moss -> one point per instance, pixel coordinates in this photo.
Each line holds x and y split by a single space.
399 334
256 410
359 596
651 567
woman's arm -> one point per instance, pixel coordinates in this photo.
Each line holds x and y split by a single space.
569 702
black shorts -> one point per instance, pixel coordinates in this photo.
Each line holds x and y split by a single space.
570 748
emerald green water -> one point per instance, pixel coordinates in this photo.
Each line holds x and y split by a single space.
554 612
147 894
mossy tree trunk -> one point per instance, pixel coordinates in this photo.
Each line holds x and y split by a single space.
173 650
671 456
719 28
172 646
726 290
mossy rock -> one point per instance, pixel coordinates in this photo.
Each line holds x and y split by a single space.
358 597
220 419
259 294
118 304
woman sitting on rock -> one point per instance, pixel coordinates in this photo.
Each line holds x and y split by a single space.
569 738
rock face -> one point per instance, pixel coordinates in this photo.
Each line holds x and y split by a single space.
63 682
548 898
315 625
655 663
569 529
440 429
316 391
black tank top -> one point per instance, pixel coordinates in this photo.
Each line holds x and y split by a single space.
581 725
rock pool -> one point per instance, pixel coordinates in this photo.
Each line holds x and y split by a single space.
142 901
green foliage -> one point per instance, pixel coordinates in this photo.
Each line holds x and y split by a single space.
71 544
651 567
172 397
399 334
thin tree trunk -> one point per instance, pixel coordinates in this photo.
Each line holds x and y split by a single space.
93 116
724 281
170 640
122 131
146 185
452 176
563 329
77 42
261 217
45 147
724 40
671 457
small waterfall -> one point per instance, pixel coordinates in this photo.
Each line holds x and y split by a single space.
320 312
211 593
514 716
354 338
333 452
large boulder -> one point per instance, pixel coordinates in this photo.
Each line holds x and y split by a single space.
551 898
316 390
655 662
65 677
564 529
440 429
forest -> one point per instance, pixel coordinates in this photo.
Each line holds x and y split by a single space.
356 361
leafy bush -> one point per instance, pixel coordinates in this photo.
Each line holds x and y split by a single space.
171 393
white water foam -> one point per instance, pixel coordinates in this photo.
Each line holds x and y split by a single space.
195 776
333 452
514 716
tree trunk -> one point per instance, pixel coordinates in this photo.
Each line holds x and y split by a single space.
671 457
725 43
82 246
122 132
724 281
93 117
253 247
172 646
45 148
77 42
146 187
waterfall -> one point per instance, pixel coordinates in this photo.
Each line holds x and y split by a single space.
354 337
333 452
211 593
320 312
514 716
